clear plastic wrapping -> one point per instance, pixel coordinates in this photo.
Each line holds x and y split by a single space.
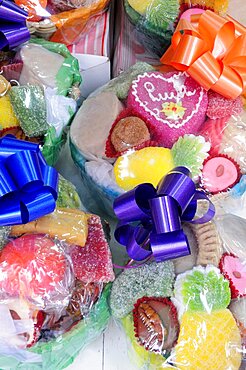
54 275
188 313
62 20
154 21
38 95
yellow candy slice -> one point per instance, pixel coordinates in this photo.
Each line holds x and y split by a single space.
145 165
7 115
140 5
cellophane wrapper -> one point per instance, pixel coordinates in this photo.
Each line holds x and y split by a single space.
155 21
53 297
63 21
186 313
40 98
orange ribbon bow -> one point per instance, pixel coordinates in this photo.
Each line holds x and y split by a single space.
212 50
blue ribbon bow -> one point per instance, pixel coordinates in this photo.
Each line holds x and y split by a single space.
28 186
159 213
13 29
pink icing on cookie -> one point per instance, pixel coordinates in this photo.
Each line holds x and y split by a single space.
234 271
173 103
219 173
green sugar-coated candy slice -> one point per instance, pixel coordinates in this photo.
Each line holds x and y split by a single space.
150 280
190 151
202 289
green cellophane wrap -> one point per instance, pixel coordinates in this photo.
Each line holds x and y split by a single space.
67 77
57 354
53 145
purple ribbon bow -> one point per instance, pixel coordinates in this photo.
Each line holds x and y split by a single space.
150 219
13 29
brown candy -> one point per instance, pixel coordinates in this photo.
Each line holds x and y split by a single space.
155 323
129 132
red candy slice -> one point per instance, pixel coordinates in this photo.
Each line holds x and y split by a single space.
31 265
220 107
92 263
156 323
213 131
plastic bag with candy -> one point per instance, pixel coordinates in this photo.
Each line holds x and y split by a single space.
54 273
62 20
39 89
136 143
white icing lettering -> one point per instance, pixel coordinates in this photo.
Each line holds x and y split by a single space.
181 92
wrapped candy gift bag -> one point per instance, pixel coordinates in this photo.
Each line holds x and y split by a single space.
182 303
39 84
146 122
55 264
39 89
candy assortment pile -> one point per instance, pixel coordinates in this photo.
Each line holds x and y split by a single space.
181 296
53 286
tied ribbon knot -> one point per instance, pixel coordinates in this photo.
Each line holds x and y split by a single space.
13 29
28 186
212 50
158 214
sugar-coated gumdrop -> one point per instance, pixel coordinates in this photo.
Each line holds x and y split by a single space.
93 262
145 165
31 264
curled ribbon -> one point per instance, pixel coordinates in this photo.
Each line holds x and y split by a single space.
159 213
212 50
28 186
13 29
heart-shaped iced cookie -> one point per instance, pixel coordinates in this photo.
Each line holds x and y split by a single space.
172 103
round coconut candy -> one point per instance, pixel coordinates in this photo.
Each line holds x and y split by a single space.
219 173
34 267
156 323
128 132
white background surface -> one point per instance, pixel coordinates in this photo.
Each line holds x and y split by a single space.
109 352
